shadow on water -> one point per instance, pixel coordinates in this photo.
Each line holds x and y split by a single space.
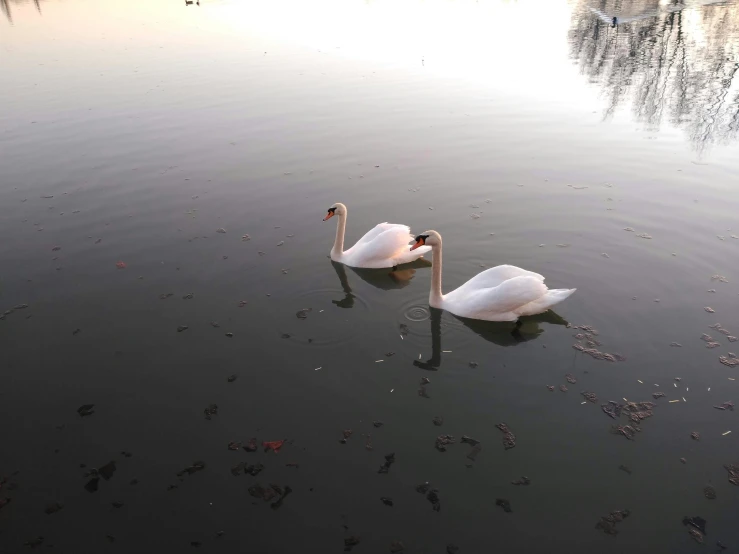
503 333
384 279
675 61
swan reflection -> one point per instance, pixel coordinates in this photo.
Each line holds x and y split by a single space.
501 333
384 279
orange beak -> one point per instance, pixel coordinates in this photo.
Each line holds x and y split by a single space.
329 215
420 242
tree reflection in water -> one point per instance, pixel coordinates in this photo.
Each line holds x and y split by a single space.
673 60
5 7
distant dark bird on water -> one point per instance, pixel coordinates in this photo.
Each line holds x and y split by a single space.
615 21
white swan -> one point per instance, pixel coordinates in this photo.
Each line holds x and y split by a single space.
386 245
502 293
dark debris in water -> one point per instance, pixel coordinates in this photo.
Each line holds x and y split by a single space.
625 469
590 396
92 484
657 395
695 435
570 378
505 504
638 411
396 547
423 488
725 406
232 378
303 314
442 441
53 508
251 446
181 328
264 493
350 542
733 470
509 439
254 470
438 421
107 471
709 492
210 411
469 440
522 481
33 543
283 494
194 468
607 524
628 431
473 453
389 460
387 501
86 410
433 497
696 527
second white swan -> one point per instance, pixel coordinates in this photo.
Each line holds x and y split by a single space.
385 245
502 293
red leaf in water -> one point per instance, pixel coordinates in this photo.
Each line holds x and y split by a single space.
274 445
120 265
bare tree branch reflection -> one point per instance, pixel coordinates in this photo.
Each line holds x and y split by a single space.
675 61
5 7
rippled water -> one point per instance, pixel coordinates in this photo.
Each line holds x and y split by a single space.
530 133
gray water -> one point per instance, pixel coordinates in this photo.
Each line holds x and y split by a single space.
530 133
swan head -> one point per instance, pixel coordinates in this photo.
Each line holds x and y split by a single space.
336 209
430 238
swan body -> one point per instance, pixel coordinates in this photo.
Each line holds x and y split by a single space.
502 293
385 245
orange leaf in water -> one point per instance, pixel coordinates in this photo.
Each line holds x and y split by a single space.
120 265
274 445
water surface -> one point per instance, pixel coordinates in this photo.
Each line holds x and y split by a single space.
530 133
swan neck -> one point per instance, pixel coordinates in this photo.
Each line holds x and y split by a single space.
435 297
338 250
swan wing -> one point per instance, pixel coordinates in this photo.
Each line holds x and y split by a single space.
495 276
507 297
386 245
380 228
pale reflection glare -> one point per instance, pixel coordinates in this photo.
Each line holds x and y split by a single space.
476 40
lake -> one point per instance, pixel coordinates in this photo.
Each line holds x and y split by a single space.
164 170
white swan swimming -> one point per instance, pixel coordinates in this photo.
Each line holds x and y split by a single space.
385 245
502 293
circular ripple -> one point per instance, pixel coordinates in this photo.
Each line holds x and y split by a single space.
332 317
417 313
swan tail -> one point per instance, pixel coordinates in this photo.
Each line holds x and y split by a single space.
541 305
407 256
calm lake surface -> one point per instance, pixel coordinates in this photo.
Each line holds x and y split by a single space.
531 133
